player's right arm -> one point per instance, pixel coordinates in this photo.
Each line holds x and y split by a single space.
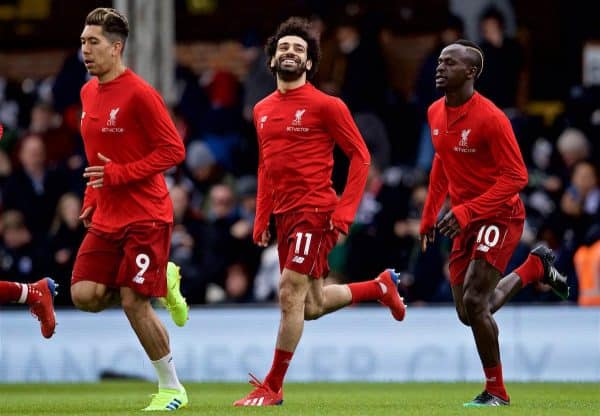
89 197
264 200
436 195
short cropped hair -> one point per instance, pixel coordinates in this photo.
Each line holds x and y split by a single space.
114 23
296 26
475 54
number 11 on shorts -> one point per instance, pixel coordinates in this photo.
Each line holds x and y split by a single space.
307 237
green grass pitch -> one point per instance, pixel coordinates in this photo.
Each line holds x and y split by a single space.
330 399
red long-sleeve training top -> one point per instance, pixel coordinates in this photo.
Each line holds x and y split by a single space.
297 131
477 161
126 120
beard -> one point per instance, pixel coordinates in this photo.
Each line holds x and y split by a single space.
289 74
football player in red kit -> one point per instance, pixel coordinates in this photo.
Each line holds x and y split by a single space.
478 163
298 127
129 141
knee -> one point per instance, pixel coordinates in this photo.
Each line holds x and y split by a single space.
286 299
474 305
312 311
133 305
463 317
86 300
289 300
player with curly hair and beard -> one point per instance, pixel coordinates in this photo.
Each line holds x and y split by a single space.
297 128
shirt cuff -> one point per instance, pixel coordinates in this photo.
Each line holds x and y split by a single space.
462 215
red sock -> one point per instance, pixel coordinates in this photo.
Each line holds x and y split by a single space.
494 384
11 292
369 290
281 362
531 270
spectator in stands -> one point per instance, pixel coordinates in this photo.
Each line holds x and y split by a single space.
246 187
5 170
68 82
582 197
217 244
504 62
202 168
470 12
373 243
34 189
238 283
188 228
20 259
425 91
356 70
59 142
66 235
573 146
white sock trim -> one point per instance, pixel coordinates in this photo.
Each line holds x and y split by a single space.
167 376
24 292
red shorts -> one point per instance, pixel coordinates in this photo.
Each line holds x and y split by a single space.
304 241
493 240
135 257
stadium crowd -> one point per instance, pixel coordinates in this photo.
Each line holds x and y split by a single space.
214 190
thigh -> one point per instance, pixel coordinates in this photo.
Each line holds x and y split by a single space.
304 243
145 258
97 260
481 279
460 257
458 295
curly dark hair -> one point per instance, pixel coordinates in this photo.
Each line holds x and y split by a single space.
295 26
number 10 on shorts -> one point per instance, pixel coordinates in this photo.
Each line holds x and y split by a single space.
487 237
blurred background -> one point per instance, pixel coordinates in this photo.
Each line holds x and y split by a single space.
206 58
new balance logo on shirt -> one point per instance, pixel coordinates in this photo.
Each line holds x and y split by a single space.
298 259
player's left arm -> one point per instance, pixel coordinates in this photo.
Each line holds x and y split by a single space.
167 146
341 126
511 177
